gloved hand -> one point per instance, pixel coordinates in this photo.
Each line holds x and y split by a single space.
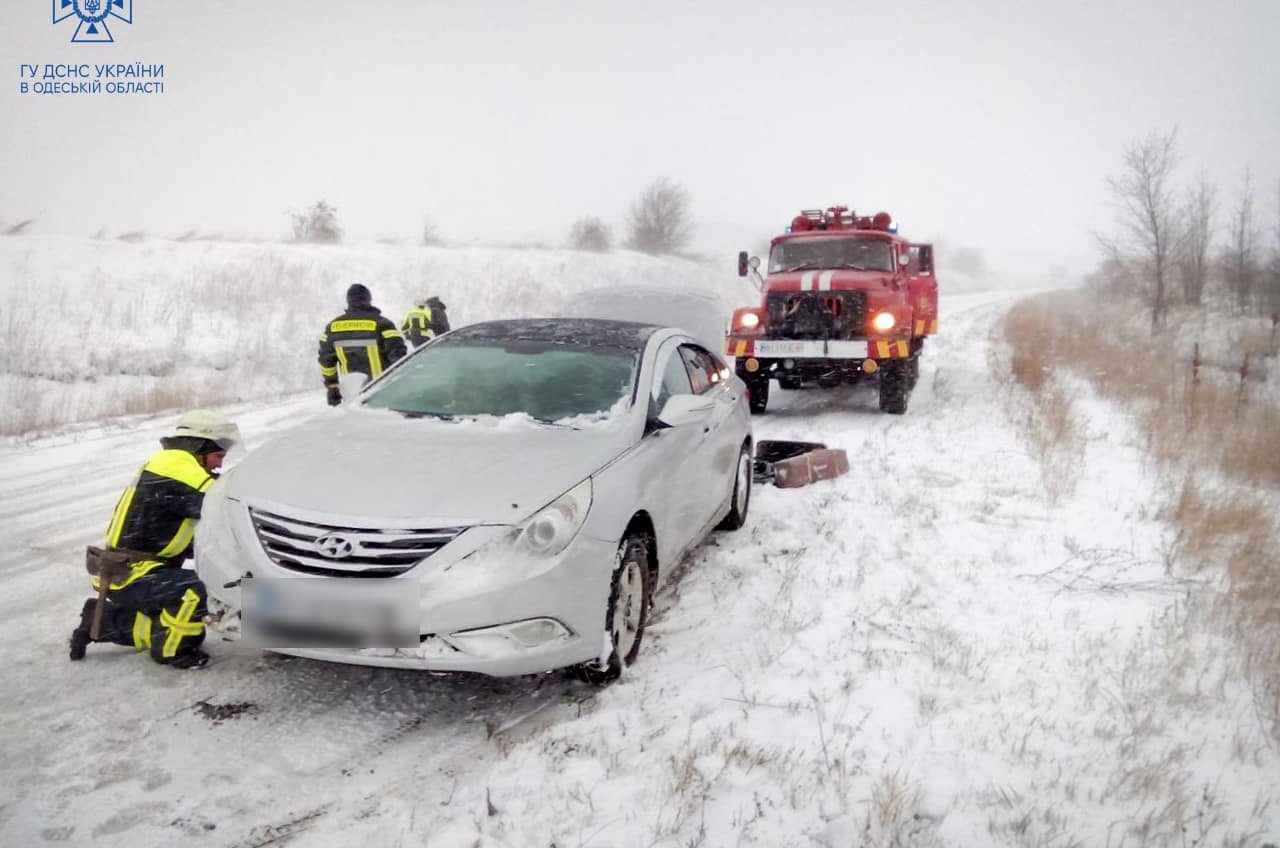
335 396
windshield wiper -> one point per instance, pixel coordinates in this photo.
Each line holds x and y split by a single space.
413 413
547 422
803 266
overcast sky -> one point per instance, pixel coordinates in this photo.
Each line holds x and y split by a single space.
990 125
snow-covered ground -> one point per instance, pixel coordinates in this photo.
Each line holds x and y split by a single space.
925 651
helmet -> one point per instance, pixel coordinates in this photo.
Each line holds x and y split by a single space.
205 424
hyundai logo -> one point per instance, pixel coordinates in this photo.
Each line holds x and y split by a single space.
335 546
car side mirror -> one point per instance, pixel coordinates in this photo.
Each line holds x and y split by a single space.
680 410
742 263
351 384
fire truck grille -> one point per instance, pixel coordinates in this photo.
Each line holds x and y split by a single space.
817 315
332 551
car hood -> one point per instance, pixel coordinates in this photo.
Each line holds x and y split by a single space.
380 465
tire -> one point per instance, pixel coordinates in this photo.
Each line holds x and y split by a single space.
740 497
913 371
759 395
894 388
627 612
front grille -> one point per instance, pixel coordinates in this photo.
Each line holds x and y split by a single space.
295 544
817 315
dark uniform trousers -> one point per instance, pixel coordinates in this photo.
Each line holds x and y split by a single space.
161 612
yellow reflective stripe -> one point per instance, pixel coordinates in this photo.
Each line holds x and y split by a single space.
933 326
324 337
117 518
179 465
328 372
141 631
180 540
919 327
137 570
353 325
180 625
392 333
342 360
375 361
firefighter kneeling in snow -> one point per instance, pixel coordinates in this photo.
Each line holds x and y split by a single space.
151 602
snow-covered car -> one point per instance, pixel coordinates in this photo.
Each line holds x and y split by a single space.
517 489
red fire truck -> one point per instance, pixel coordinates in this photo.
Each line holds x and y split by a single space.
845 298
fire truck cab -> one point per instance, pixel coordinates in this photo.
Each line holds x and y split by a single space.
844 299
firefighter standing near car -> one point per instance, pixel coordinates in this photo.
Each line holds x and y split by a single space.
360 340
425 321
417 324
150 601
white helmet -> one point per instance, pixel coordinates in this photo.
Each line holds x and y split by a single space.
205 424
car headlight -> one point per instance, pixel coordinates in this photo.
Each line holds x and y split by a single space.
553 528
883 322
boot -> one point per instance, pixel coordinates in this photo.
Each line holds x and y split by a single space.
80 636
192 659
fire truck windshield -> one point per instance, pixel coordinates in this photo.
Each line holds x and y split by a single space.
859 254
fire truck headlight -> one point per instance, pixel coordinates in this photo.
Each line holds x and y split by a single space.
883 322
749 321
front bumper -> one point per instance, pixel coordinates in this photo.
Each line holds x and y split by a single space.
476 582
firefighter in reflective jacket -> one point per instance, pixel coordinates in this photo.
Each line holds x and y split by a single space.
361 339
417 324
157 605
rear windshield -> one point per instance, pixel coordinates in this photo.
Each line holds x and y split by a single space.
544 379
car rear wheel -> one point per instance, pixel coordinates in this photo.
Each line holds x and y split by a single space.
627 613
740 500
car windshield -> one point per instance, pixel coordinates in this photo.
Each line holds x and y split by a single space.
866 254
547 380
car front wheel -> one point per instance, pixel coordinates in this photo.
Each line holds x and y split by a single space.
627 613
740 500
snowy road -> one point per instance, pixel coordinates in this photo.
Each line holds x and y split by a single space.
882 633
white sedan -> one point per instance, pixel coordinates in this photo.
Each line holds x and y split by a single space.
505 501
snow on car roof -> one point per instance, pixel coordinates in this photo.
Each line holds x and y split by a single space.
589 332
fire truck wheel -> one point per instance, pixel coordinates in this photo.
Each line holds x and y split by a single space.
759 393
740 498
894 387
913 371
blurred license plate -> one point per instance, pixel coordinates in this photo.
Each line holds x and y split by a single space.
792 348
330 612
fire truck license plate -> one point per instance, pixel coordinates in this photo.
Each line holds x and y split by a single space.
813 349
797 348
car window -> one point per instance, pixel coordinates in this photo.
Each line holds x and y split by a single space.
675 380
703 371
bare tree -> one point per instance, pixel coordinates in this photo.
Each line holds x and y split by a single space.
1148 212
431 234
1271 299
1240 260
591 234
659 220
1197 238
318 224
